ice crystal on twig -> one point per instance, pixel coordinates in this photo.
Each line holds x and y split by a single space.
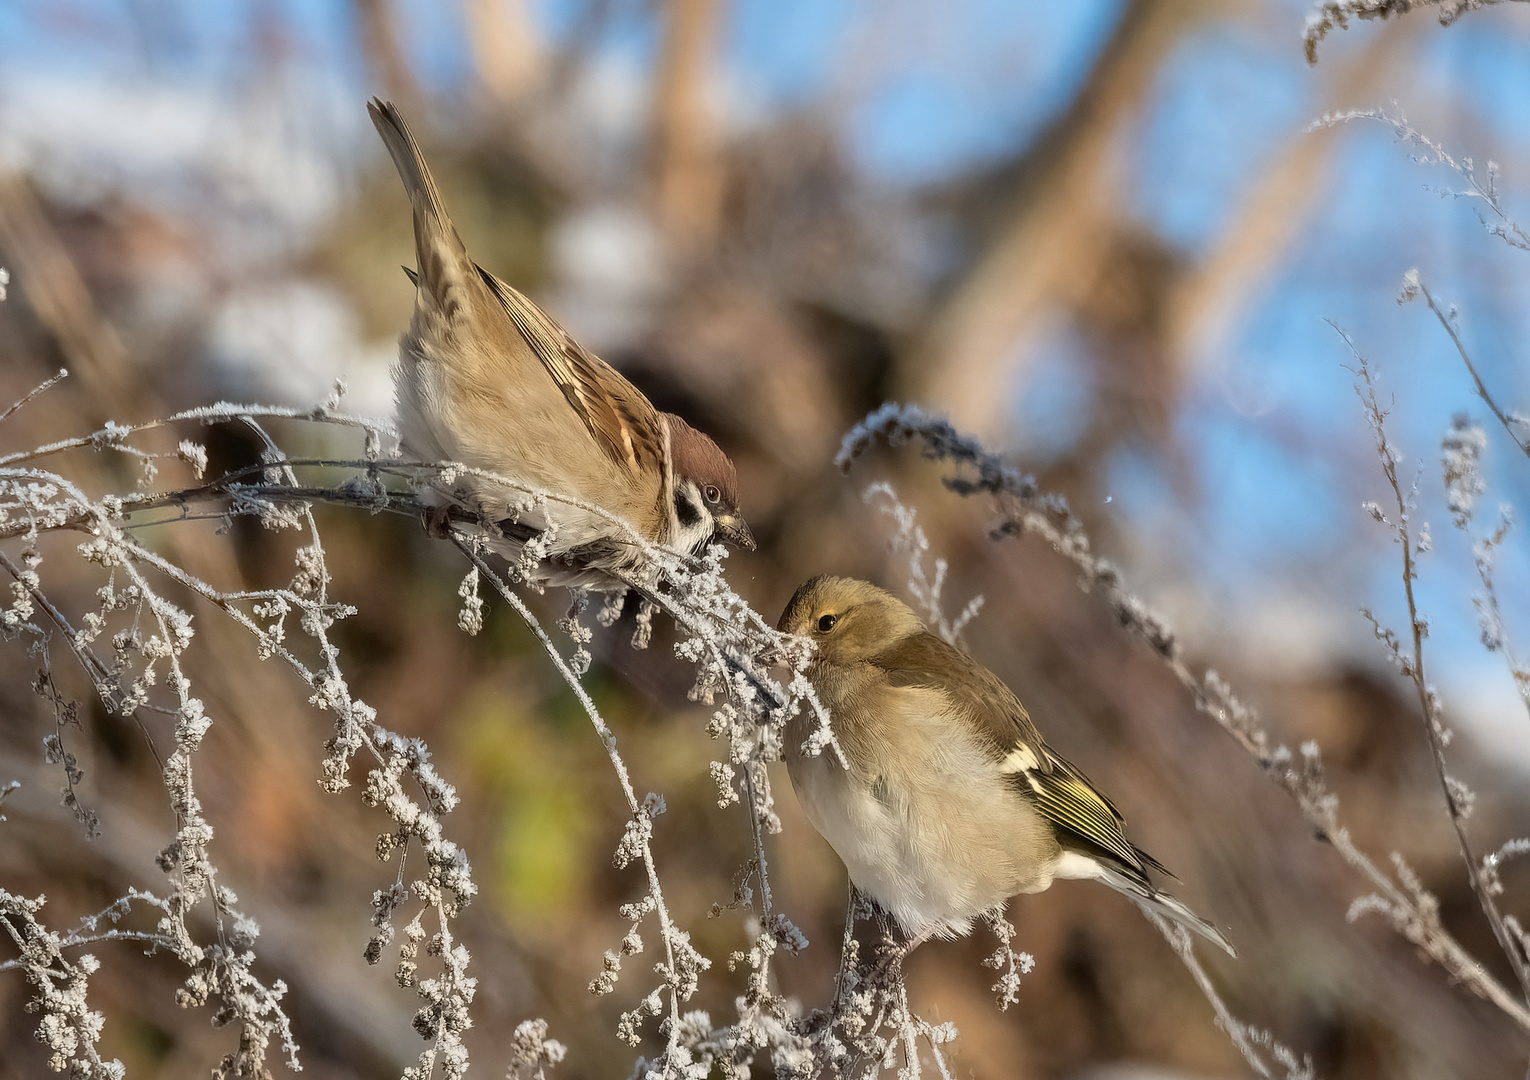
1005 960
909 540
532 1053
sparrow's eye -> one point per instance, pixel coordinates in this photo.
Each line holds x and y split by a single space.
711 493
826 623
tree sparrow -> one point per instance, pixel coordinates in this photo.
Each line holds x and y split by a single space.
949 802
486 379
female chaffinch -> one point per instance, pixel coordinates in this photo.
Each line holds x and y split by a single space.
949 801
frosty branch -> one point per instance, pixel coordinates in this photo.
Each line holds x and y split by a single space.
1409 661
1480 190
1328 15
149 635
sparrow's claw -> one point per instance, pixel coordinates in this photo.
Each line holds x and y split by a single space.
437 521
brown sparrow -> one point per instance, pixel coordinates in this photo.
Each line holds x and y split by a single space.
946 801
487 379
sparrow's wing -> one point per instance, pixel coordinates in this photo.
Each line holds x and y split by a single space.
1085 818
618 415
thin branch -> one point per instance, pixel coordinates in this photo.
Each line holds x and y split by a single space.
1413 286
642 813
1483 191
1253 1043
47 384
1412 666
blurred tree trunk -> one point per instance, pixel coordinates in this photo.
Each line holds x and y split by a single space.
687 151
1050 243
45 274
508 54
380 45
1208 301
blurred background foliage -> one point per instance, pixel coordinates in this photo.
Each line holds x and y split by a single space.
1098 233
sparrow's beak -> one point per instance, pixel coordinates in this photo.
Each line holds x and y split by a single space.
730 529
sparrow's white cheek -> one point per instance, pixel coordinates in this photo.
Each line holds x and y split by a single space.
693 521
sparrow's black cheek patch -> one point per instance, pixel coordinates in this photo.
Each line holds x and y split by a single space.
686 512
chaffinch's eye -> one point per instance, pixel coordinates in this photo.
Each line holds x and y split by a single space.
711 493
826 624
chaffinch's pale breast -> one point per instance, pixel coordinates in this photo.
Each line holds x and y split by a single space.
950 801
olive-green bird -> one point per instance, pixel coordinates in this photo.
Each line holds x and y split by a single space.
950 801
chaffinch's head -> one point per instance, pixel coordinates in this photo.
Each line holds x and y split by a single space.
849 620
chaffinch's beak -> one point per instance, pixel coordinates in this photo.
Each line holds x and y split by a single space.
730 529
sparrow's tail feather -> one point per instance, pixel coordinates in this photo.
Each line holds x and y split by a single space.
1161 902
440 251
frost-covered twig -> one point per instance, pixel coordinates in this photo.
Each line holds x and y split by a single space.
1491 863
45 385
147 653
682 965
869 1026
115 436
68 1026
1266 1056
532 1053
65 714
1460 456
149 635
1513 423
1024 508
910 540
1410 661
1335 15
1005 960
731 646
1484 191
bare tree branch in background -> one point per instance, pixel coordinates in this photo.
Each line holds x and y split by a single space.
569 64
1053 238
58 295
381 44
1211 300
509 56
687 153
